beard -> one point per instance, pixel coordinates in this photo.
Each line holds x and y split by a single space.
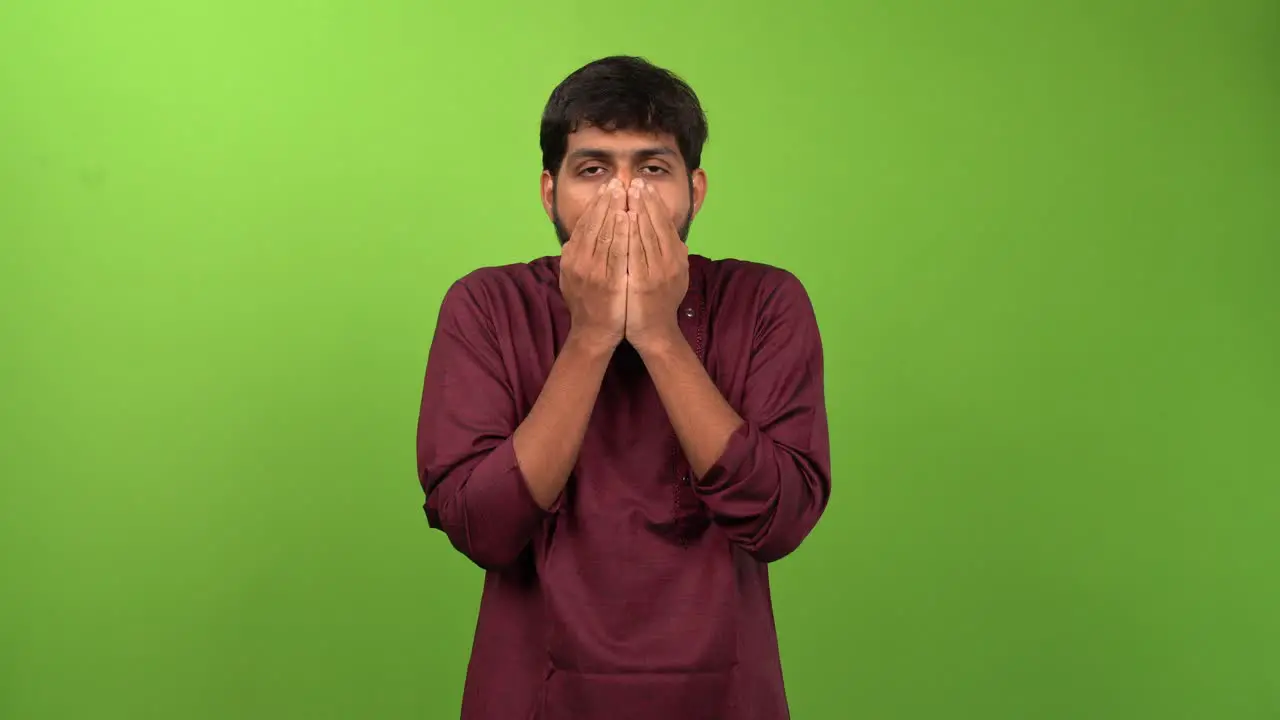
563 233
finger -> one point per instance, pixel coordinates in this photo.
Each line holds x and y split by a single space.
660 221
588 226
619 247
569 252
637 262
637 212
617 203
649 236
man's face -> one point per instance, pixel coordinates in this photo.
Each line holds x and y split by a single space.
596 156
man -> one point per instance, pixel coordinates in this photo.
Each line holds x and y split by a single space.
624 436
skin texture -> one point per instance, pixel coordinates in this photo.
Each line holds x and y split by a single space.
594 157
657 280
652 199
593 279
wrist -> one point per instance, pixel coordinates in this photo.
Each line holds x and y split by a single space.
661 343
592 344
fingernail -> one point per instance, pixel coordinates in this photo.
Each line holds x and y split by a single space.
615 183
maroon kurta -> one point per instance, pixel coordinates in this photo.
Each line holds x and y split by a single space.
642 594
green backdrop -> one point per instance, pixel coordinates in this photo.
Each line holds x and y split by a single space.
1041 238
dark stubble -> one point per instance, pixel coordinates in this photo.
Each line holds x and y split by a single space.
563 233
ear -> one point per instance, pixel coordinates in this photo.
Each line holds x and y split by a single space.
548 194
699 180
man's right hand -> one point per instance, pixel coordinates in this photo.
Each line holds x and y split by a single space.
593 270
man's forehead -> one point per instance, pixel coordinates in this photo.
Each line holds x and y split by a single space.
622 141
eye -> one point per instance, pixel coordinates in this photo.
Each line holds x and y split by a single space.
654 169
590 171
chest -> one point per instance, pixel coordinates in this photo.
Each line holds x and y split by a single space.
721 338
629 437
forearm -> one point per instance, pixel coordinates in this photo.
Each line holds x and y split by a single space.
547 442
766 495
702 419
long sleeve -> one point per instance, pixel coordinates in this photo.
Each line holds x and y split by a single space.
474 489
772 482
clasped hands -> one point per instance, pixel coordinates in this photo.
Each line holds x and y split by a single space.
625 271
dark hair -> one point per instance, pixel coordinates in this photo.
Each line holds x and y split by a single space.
623 93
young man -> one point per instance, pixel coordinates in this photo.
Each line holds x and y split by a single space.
625 435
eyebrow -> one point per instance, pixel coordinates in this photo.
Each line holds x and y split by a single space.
641 154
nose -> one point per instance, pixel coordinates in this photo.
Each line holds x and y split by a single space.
625 177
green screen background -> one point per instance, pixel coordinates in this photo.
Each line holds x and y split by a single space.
1041 239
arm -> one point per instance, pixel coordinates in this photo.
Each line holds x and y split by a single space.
765 475
548 441
490 477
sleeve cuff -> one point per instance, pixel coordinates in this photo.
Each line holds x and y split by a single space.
736 453
517 486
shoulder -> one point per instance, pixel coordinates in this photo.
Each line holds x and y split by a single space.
518 277
743 283
493 290
768 304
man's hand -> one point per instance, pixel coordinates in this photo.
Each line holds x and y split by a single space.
658 272
593 270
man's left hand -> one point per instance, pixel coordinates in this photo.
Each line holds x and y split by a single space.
657 272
